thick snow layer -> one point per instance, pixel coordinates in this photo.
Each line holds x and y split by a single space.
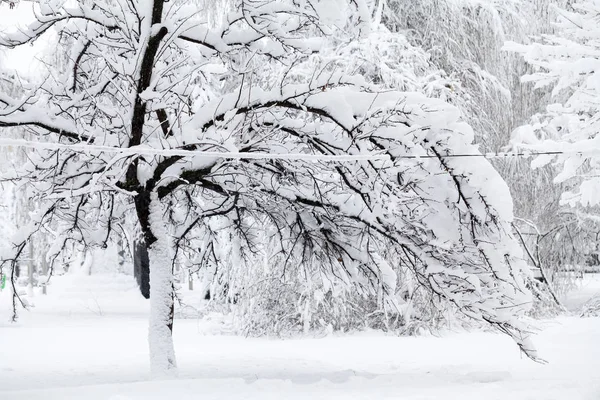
71 347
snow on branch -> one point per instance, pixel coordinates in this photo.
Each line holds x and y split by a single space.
568 63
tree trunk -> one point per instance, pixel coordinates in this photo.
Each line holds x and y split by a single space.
120 255
162 352
44 274
141 266
30 270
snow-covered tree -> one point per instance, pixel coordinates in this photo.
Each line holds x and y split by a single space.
566 62
464 38
225 135
16 203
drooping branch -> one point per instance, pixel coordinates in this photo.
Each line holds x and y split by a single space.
45 22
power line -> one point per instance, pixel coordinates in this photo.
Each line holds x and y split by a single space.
142 150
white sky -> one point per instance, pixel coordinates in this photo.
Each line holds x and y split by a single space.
24 57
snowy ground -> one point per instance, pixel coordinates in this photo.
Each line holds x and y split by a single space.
586 289
90 343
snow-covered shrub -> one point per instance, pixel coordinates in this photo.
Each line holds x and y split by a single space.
544 305
591 308
284 306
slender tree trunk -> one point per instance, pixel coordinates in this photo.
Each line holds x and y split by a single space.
30 270
120 255
141 266
44 274
162 352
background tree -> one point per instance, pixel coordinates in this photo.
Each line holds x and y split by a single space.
17 204
565 63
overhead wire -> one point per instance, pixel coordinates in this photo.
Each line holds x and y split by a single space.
144 150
